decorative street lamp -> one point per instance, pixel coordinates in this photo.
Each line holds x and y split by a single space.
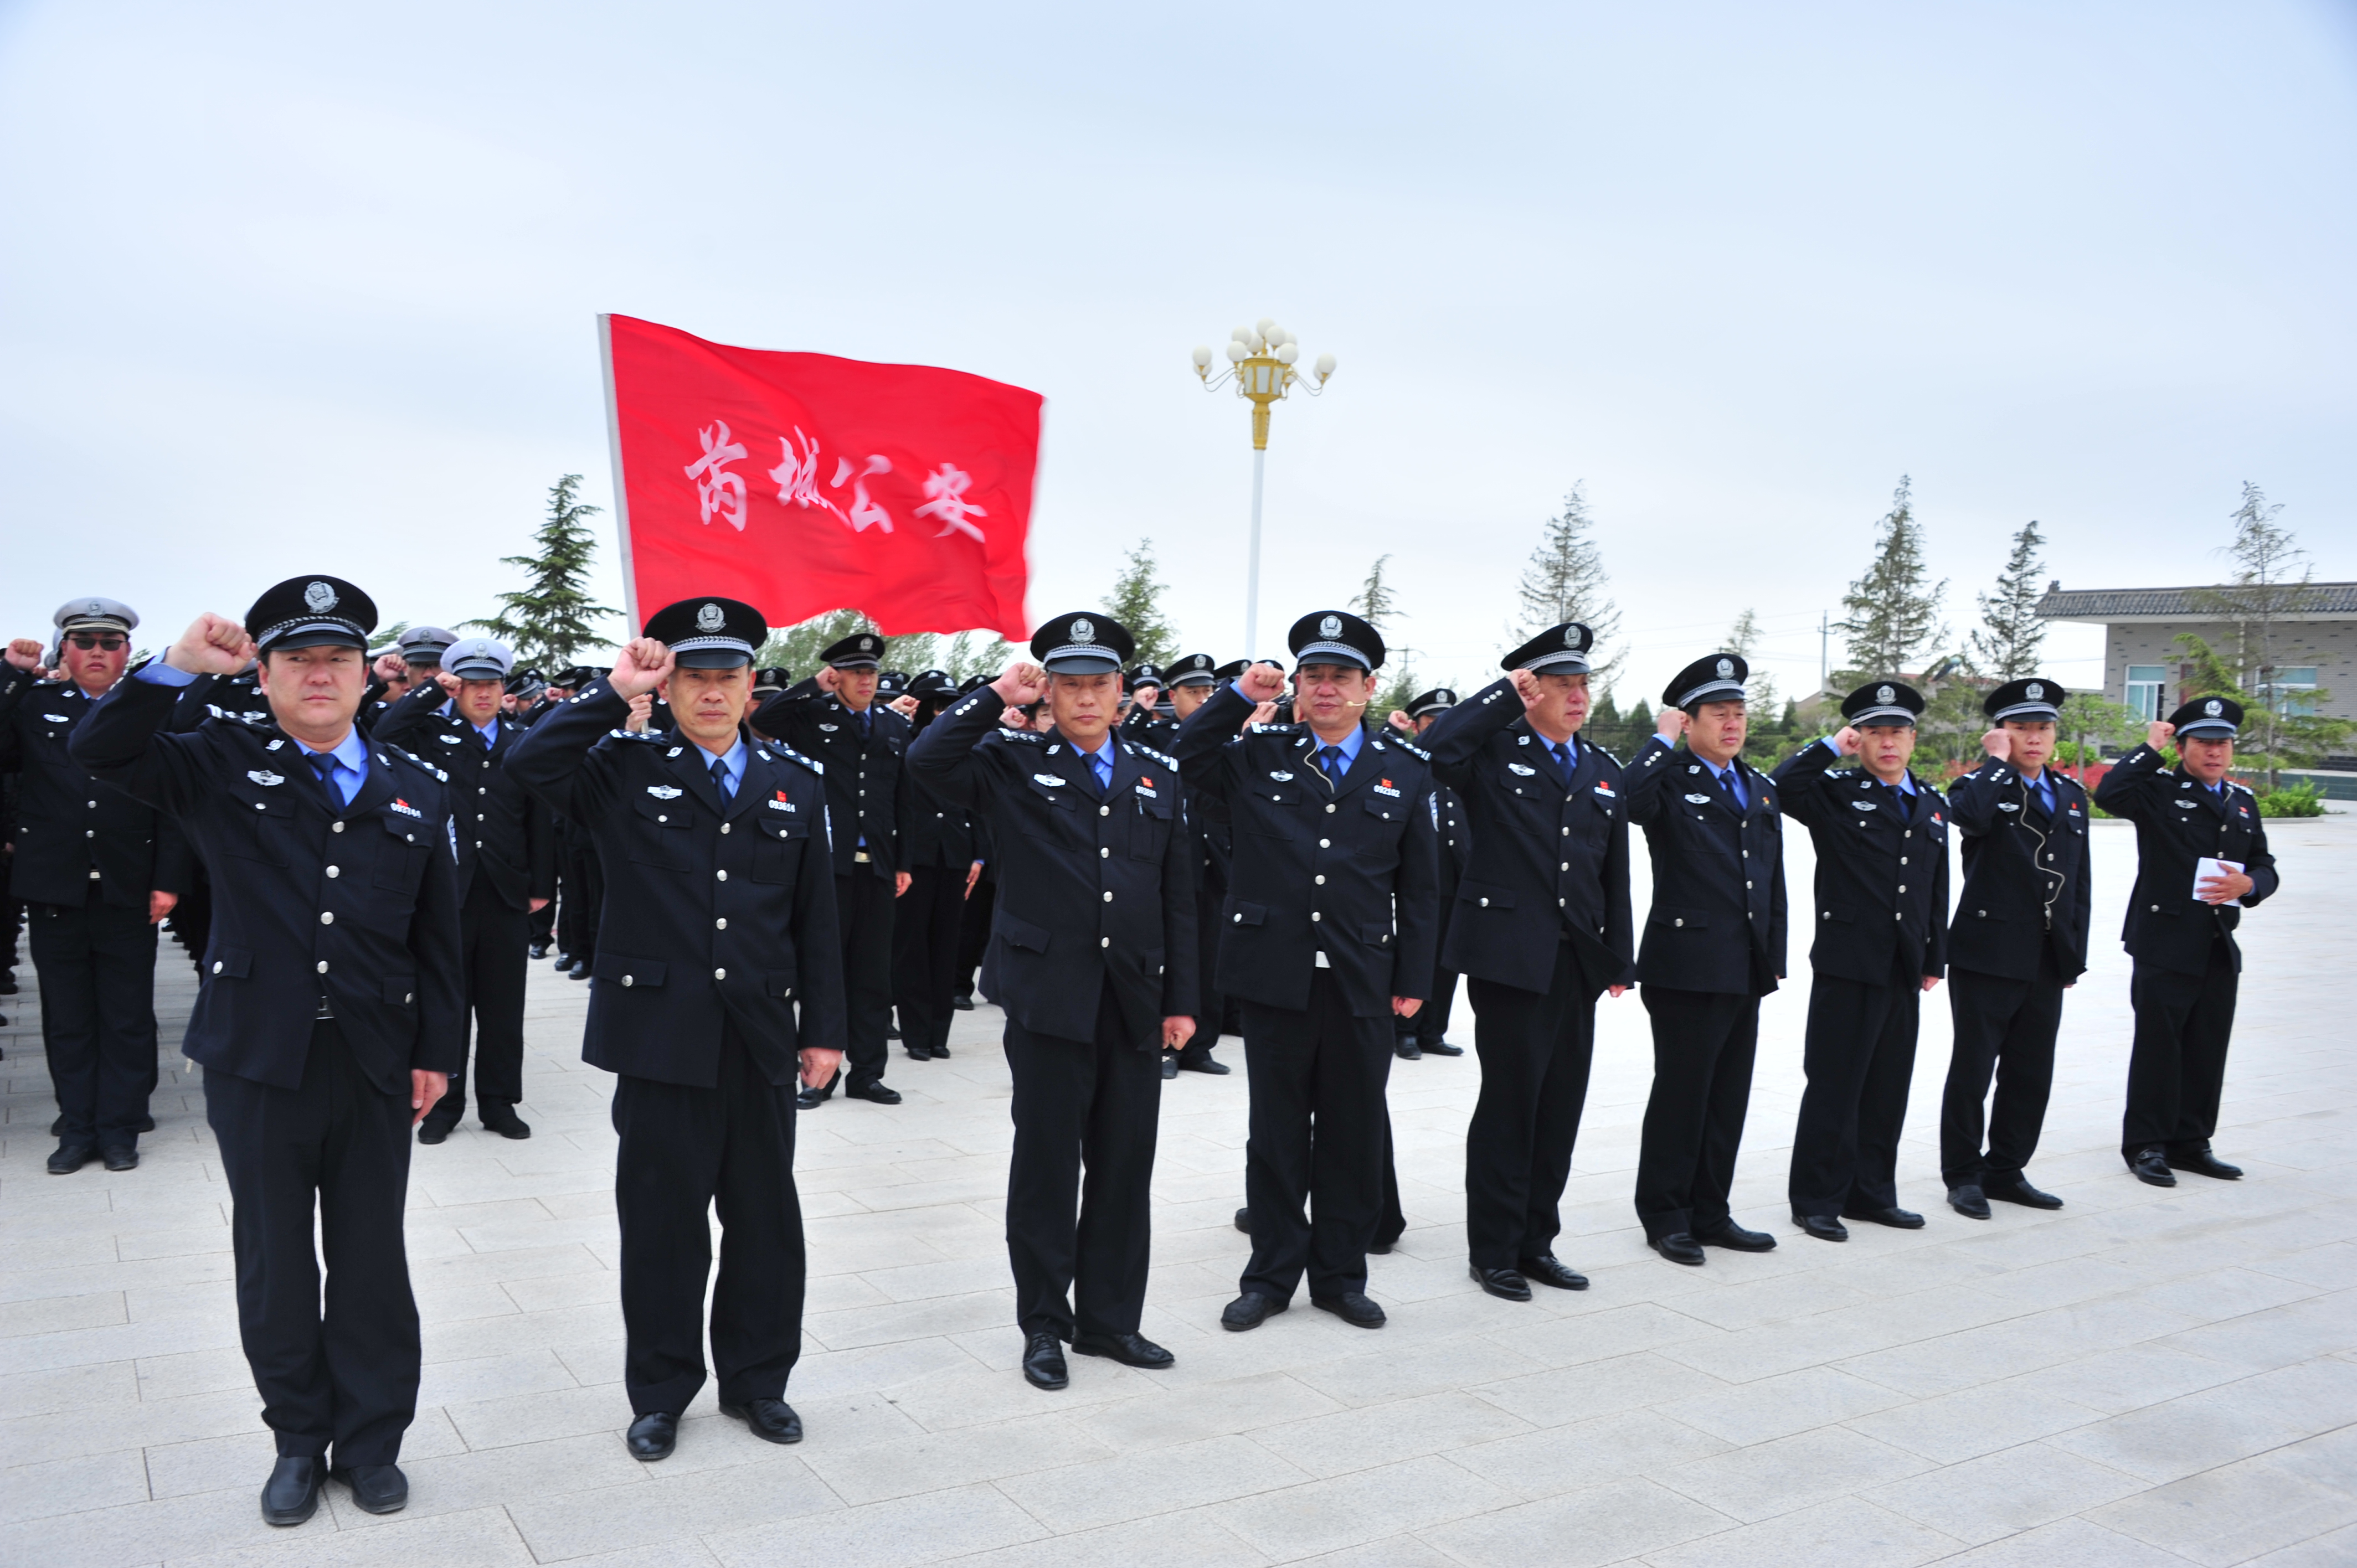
1262 359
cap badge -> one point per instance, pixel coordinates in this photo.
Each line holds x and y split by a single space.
1727 669
1084 631
2213 708
320 597
1330 626
2036 693
711 618
1884 694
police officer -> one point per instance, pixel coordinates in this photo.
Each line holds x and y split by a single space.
1426 1033
2019 940
507 866
1192 683
97 872
1093 956
416 656
837 722
1714 946
1149 721
330 1012
581 880
944 864
1328 934
1540 931
2180 931
721 918
1881 837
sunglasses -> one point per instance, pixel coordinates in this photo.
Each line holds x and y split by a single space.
114 642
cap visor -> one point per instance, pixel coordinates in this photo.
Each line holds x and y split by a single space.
1716 692
1564 664
1081 664
713 658
317 637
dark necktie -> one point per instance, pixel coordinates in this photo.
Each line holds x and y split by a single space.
720 778
324 765
491 738
1331 760
1562 755
1732 782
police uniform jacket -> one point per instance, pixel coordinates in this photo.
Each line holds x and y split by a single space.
69 831
505 836
863 774
716 911
356 904
1718 919
1538 845
939 832
1456 835
1340 877
2177 823
1150 729
1882 868
1093 890
2026 882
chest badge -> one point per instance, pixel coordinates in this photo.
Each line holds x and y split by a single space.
406 810
829 729
1520 771
58 718
263 776
781 804
1054 781
2007 806
448 739
2185 805
1698 800
1385 788
1280 775
664 792
1863 805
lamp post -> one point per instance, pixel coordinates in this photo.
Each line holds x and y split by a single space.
1260 360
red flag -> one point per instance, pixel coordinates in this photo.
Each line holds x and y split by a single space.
802 483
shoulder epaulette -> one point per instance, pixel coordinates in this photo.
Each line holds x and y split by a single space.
1605 753
414 760
1275 729
1409 746
1007 731
648 735
791 755
1163 757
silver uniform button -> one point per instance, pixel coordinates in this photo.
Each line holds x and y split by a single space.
1108 898
1104 811
1102 854
1325 844
217 966
1104 941
323 966
721 875
719 974
629 980
724 827
1316 915
335 871
1677 922
1329 808
721 924
1319 880
332 827
326 917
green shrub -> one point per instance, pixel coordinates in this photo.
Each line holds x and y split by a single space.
2302 799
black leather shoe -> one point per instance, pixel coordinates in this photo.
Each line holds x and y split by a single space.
502 1119
1129 1350
942 1052
2202 1162
811 1099
1201 1062
377 1488
1678 1247
1169 1065
920 1054
893 1033
963 1004
70 1157
563 962
8 986
1381 1245
1547 1268
144 1124
652 1435
537 951
875 1093
2021 1192
1250 1310
1354 1309
292 1493
121 1158
1043 1361
57 1126
1969 1201
1243 1220
2150 1165
1896 1219
771 1421
433 1130
1824 1227
581 969
1735 1239
1503 1283
1441 1048
1407 1050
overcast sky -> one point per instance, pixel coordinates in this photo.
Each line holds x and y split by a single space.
297 287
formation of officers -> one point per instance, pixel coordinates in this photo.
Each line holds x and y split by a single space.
757 878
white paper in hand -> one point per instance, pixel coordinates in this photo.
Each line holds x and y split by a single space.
2207 867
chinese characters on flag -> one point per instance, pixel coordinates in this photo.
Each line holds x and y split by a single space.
804 483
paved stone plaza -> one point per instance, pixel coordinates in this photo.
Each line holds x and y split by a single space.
2148 1376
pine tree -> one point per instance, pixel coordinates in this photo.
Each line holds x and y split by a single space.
1894 611
1565 581
552 619
1378 601
1136 602
796 648
2006 645
1763 702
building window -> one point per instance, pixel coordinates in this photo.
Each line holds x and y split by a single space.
2293 690
2147 690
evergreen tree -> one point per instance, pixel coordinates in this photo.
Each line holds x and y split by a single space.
1136 602
1893 612
1378 602
553 619
2006 646
1565 581
797 648
1763 702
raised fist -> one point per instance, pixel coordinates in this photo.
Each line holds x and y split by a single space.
212 645
641 666
24 653
1669 724
1262 683
1021 685
1846 741
2159 734
1997 743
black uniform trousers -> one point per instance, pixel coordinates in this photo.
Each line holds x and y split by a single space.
1092 1105
541 923
1859 1054
2177 1068
339 1147
1704 1043
1320 1135
584 897
863 906
2005 1028
973 934
1212 1006
1535 1050
491 947
924 953
685 1153
1430 1024
97 970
